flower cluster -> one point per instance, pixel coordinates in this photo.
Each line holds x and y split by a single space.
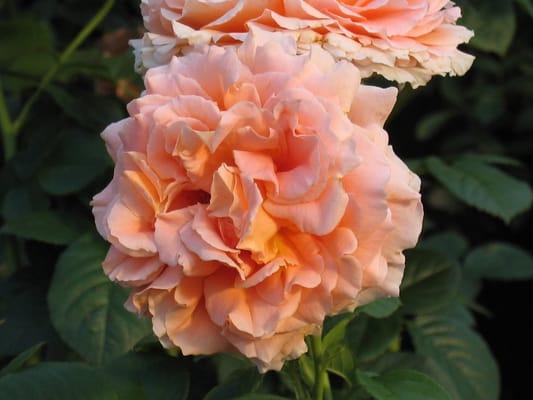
254 192
403 40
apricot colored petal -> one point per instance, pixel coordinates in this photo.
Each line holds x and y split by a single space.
317 217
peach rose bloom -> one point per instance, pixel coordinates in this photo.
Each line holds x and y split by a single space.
402 40
254 194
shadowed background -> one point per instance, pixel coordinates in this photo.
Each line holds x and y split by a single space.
61 162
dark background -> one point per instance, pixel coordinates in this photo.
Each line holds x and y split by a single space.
491 108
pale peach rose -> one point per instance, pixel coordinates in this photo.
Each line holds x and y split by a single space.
403 40
254 194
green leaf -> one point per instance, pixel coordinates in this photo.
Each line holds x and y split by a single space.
403 360
21 360
336 334
27 46
373 387
66 179
369 338
428 275
339 360
460 313
87 309
133 377
527 6
493 22
403 384
496 159
148 376
72 170
451 244
24 36
469 288
261 397
226 364
489 105
382 308
43 139
483 186
292 378
89 111
43 226
501 261
24 319
57 381
393 361
165 379
430 124
461 353
307 369
240 383
23 200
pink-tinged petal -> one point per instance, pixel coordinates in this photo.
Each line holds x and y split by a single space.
342 276
306 276
403 40
349 283
140 301
100 206
244 124
226 303
171 247
130 233
160 306
258 228
193 153
304 169
111 136
271 352
318 217
140 110
227 196
265 272
169 278
247 204
239 200
366 187
200 67
131 271
197 335
242 12
340 82
206 228
195 243
241 92
372 105
256 166
167 237
139 186
406 207
314 306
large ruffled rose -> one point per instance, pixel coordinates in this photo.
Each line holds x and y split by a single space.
403 40
254 194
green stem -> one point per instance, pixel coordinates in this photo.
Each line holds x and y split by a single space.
294 374
322 388
7 127
63 58
327 388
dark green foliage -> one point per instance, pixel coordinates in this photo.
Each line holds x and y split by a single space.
87 309
63 331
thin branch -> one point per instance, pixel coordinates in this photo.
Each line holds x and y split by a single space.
67 53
